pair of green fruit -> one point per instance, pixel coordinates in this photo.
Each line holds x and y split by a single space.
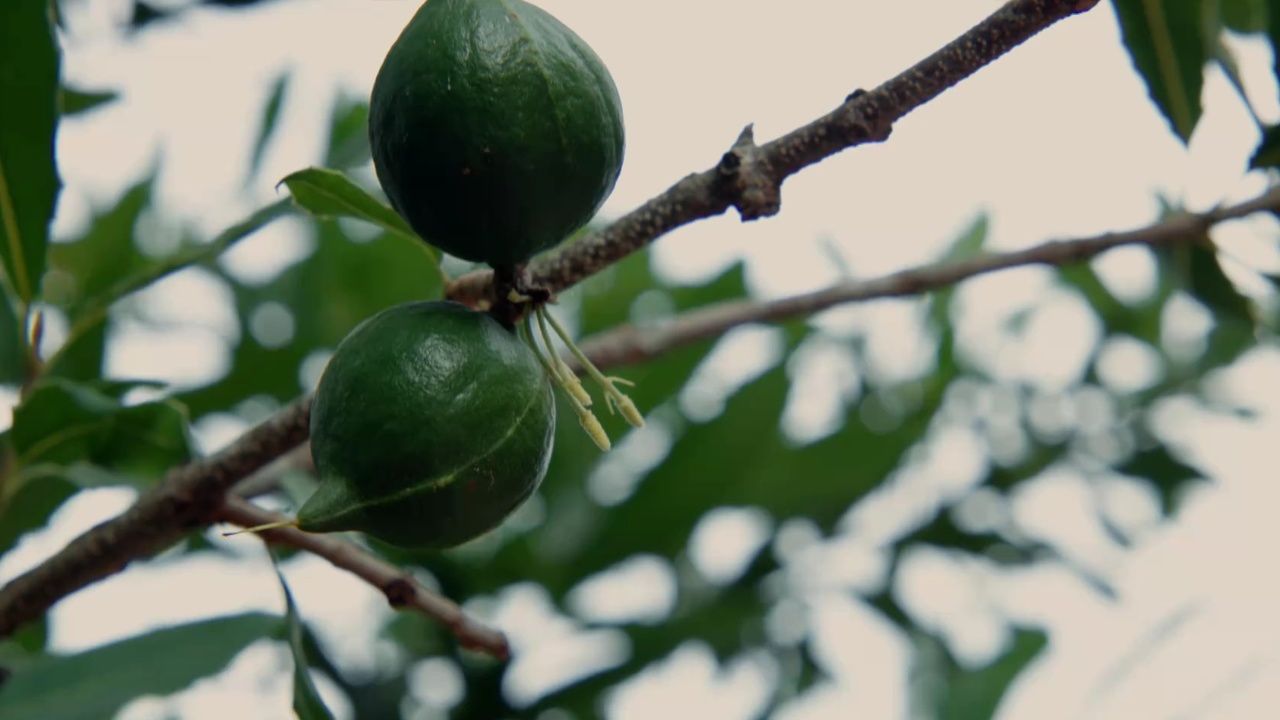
496 132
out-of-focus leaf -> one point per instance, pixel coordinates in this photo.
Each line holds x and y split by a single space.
1273 34
1244 16
30 507
306 699
29 184
330 194
1167 43
81 358
969 244
1168 474
348 134
975 695
267 126
1235 321
75 101
95 684
1209 284
86 268
1267 154
11 344
340 284
64 423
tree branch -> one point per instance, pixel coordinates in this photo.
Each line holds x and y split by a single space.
401 589
185 500
629 345
749 176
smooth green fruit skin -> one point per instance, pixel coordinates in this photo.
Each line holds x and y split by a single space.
496 131
431 424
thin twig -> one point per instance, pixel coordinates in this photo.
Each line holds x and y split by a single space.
628 345
749 177
402 590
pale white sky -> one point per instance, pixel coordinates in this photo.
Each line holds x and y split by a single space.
1056 140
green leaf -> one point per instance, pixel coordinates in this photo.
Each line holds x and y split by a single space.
267 127
87 268
12 361
306 699
330 194
976 695
1244 16
1167 42
62 422
1273 35
348 134
1267 154
29 184
76 102
30 507
95 684
1169 475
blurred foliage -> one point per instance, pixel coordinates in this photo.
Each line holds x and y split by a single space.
597 514
306 699
95 684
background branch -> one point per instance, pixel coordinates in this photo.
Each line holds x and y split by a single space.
402 591
628 345
748 177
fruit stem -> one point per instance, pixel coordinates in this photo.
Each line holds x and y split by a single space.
571 382
612 393
262 528
587 419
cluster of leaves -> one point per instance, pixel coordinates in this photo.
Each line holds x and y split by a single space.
73 429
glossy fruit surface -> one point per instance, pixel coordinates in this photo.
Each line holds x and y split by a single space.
431 424
496 131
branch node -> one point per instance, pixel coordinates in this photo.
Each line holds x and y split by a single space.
400 592
745 176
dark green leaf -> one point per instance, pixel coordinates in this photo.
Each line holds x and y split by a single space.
1244 16
1169 475
1210 285
12 361
976 695
1267 154
330 194
306 699
267 127
95 684
1273 35
75 101
1168 45
29 184
30 507
1235 320
62 422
